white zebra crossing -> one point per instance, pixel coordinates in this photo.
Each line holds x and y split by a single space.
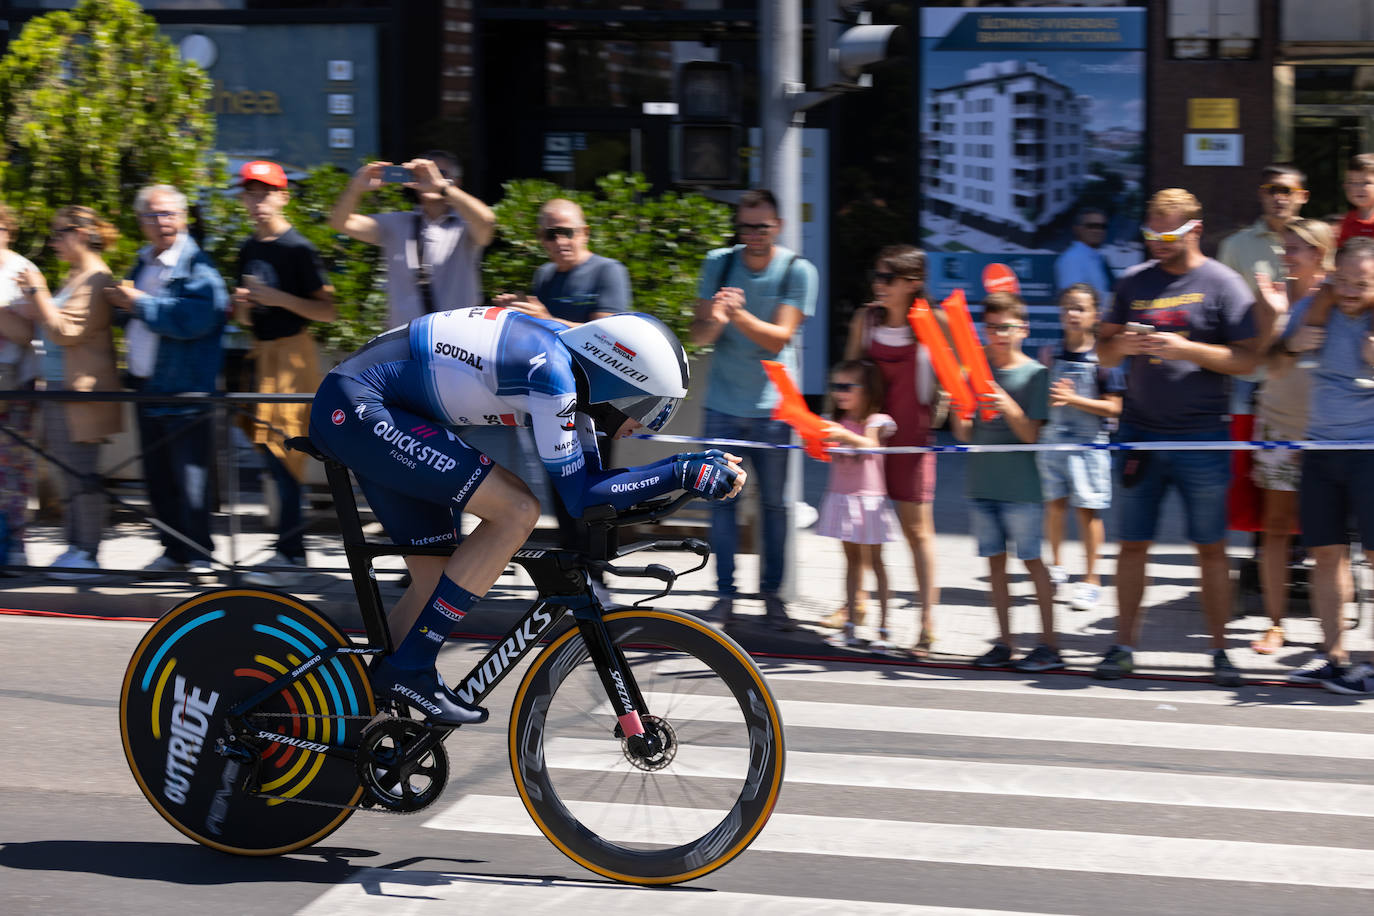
1126 849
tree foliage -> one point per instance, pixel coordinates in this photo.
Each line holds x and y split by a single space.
661 241
95 103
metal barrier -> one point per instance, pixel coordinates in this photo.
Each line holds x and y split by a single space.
220 410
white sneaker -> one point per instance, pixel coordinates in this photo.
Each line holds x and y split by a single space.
1058 576
200 568
1085 596
804 515
79 559
164 564
271 578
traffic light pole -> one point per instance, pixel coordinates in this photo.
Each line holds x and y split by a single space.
780 159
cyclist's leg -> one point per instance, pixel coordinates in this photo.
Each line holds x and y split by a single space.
508 513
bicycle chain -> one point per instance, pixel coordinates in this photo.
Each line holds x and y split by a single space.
371 809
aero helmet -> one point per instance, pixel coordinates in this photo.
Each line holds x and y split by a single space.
629 366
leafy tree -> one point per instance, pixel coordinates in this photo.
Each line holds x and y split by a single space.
96 103
661 241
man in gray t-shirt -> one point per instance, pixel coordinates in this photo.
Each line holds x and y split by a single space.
574 286
432 253
1185 321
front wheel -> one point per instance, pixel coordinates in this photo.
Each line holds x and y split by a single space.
659 818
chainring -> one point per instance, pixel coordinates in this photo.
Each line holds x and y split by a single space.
392 779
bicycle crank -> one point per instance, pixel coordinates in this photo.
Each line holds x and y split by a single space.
402 764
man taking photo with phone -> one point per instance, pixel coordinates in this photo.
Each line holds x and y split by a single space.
433 252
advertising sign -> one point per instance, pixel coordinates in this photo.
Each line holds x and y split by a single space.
1028 115
298 94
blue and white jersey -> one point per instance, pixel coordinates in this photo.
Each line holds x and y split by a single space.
489 366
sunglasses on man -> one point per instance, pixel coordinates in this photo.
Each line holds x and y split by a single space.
1173 235
559 232
1280 190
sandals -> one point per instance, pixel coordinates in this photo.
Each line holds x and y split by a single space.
924 645
1271 642
837 620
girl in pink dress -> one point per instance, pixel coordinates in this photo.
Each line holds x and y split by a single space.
855 508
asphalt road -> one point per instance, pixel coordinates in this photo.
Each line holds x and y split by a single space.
909 791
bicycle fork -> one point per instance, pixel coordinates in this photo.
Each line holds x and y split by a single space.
619 682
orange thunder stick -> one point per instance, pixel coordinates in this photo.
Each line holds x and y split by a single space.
793 411
970 349
928 332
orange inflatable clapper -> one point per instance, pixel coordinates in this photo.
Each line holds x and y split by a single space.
793 411
927 329
970 349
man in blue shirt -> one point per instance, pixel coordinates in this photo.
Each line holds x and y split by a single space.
1082 262
1336 485
752 299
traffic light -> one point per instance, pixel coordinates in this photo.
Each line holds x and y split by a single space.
847 43
707 135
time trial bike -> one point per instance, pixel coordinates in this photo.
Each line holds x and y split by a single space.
644 744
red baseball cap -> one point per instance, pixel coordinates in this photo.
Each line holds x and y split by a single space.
269 173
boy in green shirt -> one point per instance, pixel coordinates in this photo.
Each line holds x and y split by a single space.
1004 487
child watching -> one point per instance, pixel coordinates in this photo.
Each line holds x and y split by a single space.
1084 396
855 508
1004 487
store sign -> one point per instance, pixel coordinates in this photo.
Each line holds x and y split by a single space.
298 94
1213 149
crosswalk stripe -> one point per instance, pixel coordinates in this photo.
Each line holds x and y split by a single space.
964 723
958 844
930 775
1131 691
418 892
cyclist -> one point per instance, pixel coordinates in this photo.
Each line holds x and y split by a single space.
388 412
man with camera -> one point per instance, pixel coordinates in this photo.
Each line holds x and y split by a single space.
433 252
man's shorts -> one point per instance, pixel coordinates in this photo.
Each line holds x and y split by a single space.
1084 476
1336 497
997 523
1200 477
416 474
1278 468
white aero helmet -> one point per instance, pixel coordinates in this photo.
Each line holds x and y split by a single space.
633 367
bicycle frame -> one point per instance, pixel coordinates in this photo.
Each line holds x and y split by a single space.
563 587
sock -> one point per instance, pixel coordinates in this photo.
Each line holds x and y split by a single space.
448 605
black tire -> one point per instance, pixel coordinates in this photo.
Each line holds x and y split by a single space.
195 663
577 782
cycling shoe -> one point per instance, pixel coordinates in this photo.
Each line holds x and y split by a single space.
425 691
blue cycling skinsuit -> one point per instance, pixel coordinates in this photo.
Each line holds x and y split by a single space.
388 412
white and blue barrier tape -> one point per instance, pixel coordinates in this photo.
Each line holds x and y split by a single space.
1254 445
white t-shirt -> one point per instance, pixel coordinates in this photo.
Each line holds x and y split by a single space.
139 339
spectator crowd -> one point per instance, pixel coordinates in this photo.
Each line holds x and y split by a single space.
1182 348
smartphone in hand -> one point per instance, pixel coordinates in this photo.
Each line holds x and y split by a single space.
1137 327
396 174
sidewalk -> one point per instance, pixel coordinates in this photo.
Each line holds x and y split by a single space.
1175 640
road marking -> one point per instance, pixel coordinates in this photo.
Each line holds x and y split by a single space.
932 775
379 891
958 844
1240 739
1132 690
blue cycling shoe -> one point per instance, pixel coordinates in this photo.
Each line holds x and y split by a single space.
425 691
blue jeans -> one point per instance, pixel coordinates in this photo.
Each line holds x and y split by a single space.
997 523
1201 479
767 468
